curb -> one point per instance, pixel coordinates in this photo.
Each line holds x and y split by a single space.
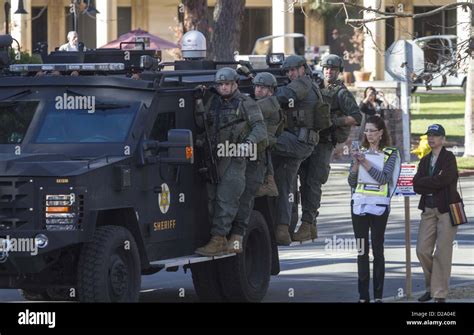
466 173
415 295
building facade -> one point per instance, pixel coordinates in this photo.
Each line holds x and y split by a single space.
50 20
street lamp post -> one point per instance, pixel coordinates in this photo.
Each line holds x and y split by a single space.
7 8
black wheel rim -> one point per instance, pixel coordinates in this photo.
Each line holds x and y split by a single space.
119 276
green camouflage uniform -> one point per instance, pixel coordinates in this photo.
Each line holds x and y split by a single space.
314 171
256 170
236 119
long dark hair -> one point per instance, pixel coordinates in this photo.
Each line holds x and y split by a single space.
380 125
367 89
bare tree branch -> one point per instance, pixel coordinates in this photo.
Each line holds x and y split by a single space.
387 15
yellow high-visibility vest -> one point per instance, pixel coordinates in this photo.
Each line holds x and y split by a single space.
376 190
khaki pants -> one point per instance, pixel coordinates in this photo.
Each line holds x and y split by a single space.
436 231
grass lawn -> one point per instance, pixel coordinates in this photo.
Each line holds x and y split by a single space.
445 109
465 163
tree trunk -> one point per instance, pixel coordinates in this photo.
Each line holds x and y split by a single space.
228 18
195 16
469 116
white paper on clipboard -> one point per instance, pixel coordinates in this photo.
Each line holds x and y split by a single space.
376 160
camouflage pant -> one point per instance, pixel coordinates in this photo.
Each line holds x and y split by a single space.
314 172
288 154
223 198
254 175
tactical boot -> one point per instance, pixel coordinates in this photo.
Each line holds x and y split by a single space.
304 233
234 245
268 188
282 235
217 246
314 231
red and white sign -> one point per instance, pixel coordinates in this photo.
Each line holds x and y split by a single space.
405 181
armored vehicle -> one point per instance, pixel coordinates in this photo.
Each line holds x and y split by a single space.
101 180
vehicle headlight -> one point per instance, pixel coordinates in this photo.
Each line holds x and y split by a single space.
60 213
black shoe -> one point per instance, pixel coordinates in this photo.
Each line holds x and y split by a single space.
364 301
440 300
378 300
425 297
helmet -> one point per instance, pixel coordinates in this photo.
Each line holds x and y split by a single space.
226 74
293 61
332 61
265 79
193 45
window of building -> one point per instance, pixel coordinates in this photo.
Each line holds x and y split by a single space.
257 23
442 23
39 26
389 29
299 27
124 20
86 28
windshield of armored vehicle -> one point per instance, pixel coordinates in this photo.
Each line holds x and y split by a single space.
102 123
15 118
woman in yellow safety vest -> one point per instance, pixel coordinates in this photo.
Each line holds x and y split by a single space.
373 176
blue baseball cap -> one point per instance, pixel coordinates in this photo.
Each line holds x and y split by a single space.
436 129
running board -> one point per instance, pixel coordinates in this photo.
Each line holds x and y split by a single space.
185 260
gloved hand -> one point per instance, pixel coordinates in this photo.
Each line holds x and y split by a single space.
200 90
244 71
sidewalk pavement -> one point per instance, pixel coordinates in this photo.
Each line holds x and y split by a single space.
460 293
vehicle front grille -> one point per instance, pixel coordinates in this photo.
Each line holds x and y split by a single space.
16 203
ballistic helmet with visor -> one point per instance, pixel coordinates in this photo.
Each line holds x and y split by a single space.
332 61
265 79
293 61
226 74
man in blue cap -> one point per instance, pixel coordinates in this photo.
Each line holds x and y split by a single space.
436 181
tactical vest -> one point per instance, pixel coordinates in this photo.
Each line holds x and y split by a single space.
379 194
227 120
330 96
273 117
301 114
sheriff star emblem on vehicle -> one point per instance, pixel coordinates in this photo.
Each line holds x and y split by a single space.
164 198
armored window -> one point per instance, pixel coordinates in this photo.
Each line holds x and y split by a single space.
163 123
15 119
105 123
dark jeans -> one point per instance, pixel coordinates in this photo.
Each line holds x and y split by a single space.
377 225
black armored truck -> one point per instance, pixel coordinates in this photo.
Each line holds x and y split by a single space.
101 180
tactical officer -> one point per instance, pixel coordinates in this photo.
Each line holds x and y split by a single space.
314 171
265 84
233 120
299 100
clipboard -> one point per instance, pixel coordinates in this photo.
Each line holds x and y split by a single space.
376 160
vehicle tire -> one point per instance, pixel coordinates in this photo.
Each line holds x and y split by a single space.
413 89
35 295
246 277
60 294
109 267
206 281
